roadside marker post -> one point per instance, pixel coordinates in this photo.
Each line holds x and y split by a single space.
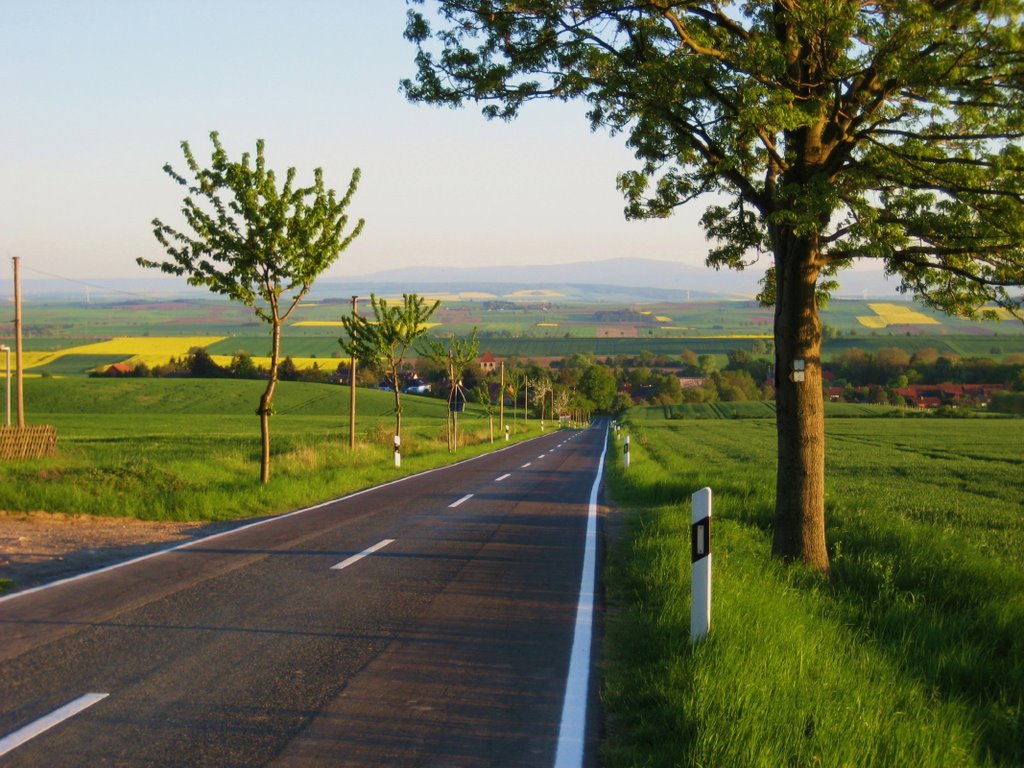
700 551
625 452
398 451
506 433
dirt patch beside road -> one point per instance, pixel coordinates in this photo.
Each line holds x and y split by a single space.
39 547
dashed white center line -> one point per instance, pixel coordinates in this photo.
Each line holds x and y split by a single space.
526 465
542 456
58 716
356 558
464 499
503 477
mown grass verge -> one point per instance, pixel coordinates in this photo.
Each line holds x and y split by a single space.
910 654
189 449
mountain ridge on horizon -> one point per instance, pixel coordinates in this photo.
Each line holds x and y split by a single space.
621 272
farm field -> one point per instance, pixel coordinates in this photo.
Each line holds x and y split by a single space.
911 653
67 339
188 449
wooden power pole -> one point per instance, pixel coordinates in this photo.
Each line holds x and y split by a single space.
352 390
18 361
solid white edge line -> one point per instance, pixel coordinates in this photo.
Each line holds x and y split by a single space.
356 558
45 723
503 477
464 499
264 521
573 727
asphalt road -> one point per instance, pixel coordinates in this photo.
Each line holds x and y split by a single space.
426 622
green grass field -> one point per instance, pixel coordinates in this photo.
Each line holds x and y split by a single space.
911 654
188 449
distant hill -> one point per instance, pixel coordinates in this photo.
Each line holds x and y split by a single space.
662 277
612 280
633 273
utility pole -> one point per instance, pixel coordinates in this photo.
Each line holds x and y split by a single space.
17 341
526 401
7 352
352 389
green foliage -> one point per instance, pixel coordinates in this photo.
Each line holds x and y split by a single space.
384 341
252 241
865 130
597 384
909 654
1008 402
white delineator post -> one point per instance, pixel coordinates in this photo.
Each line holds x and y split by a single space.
700 540
625 452
398 451
506 433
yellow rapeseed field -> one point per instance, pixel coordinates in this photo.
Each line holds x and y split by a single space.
895 314
302 363
153 350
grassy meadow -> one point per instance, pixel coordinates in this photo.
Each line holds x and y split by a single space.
188 449
910 654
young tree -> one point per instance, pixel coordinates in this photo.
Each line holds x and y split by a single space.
482 392
453 358
541 390
515 380
256 243
383 340
829 130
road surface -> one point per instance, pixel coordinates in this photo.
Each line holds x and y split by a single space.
431 621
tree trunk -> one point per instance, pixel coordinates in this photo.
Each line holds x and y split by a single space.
800 420
398 406
265 401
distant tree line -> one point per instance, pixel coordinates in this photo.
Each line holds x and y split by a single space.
199 364
582 383
895 367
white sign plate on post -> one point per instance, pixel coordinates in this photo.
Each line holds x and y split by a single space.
700 540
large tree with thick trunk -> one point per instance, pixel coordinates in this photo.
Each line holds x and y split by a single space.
824 130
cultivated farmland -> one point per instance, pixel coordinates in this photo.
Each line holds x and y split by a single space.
71 339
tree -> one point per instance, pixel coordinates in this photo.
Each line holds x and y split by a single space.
830 131
482 393
257 244
541 390
384 340
454 358
287 370
243 367
598 385
515 380
201 365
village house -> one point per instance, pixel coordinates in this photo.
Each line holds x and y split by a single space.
488 363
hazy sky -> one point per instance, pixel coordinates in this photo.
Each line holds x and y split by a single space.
97 95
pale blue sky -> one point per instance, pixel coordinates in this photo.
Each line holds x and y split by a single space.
97 95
